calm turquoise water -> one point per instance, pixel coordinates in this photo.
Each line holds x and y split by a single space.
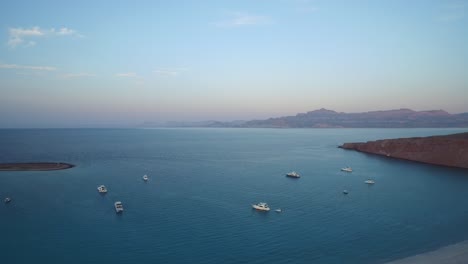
196 206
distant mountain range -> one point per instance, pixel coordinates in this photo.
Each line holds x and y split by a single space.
323 118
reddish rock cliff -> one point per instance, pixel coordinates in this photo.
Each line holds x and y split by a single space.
450 150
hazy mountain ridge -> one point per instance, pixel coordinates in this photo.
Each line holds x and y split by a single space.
399 118
324 118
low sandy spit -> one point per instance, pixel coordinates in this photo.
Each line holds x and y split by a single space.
35 166
452 254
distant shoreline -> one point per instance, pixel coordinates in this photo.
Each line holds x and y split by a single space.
324 118
35 166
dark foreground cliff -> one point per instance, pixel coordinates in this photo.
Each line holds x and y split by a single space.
449 150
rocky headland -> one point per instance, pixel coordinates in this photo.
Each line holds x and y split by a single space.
449 150
35 166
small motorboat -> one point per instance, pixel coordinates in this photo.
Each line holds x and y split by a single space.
118 207
7 200
345 191
261 207
102 189
293 174
145 177
278 210
347 169
369 181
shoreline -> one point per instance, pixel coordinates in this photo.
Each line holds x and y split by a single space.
451 254
35 166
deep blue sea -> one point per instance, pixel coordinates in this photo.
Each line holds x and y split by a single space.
196 207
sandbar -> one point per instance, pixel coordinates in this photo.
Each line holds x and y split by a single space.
35 166
452 254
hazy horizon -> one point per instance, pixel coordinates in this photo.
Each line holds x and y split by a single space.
107 64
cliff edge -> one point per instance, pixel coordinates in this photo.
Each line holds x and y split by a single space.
449 150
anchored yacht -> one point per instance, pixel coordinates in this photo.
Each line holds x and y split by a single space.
347 169
369 181
118 207
293 174
261 207
102 189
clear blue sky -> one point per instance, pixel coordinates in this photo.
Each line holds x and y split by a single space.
118 63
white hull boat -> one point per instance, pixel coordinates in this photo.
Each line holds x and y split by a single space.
261 207
293 174
369 182
118 207
347 169
102 189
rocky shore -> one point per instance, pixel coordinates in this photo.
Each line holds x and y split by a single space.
35 166
449 150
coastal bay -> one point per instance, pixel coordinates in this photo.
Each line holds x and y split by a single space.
196 207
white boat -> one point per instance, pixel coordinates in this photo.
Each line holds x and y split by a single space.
369 181
347 169
102 189
293 174
278 210
118 207
145 177
261 207
7 200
